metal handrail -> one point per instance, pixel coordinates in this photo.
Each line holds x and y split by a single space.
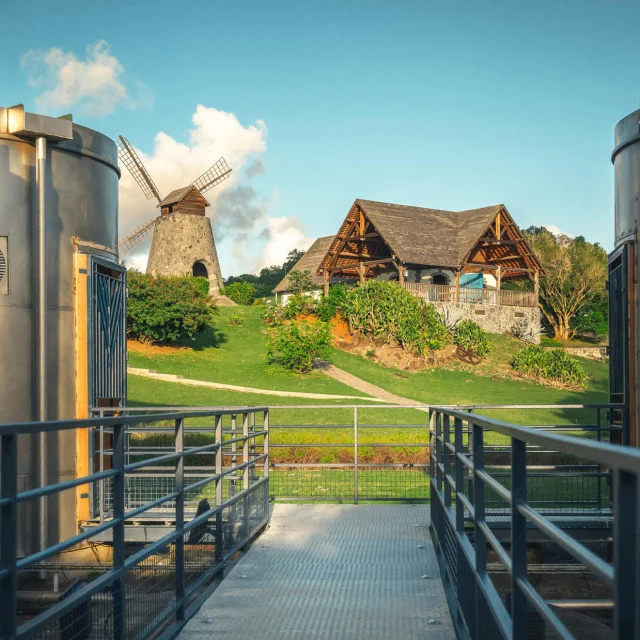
452 509
114 579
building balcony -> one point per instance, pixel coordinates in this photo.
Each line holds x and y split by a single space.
469 295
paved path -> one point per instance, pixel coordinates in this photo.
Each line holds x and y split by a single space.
361 385
332 572
170 377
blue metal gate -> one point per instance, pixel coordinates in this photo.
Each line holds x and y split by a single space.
107 333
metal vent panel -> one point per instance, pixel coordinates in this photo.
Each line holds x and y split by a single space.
4 265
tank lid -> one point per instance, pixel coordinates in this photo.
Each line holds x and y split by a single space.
627 132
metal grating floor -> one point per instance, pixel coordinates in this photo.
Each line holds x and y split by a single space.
332 572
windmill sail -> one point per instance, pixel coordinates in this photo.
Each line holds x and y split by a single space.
129 158
214 175
130 242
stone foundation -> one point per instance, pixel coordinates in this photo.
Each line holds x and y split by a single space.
494 318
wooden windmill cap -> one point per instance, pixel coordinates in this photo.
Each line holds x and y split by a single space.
178 195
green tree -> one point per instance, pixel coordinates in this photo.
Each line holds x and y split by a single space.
576 272
241 292
301 281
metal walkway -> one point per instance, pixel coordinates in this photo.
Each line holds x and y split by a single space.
332 572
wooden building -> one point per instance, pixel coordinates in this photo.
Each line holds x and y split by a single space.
461 256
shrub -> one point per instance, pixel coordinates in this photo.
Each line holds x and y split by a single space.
295 345
241 292
329 305
550 364
202 284
385 310
235 320
469 336
299 304
167 307
301 281
274 314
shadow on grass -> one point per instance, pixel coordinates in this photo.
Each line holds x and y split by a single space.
211 338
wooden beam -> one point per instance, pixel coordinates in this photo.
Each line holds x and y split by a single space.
361 269
400 268
458 286
536 282
498 277
498 230
326 282
350 254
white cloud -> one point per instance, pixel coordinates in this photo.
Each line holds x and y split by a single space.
555 229
283 234
93 86
246 237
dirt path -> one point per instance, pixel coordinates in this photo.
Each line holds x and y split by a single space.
361 385
168 377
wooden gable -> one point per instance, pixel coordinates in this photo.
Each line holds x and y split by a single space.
358 250
502 247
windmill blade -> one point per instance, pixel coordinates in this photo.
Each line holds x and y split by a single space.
130 242
129 158
211 177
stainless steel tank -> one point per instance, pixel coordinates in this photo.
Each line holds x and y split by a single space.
624 274
80 178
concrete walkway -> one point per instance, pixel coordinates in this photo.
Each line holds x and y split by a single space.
170 377
361 385
332 572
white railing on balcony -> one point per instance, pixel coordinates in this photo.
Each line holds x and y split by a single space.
468 295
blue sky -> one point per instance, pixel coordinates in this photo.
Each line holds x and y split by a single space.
447 105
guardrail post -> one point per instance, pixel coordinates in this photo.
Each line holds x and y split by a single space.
234 463
518 538
179 544
118 594
355 455
265 448
219 539
478 505
446 460
9 535
625 509
457 427
101 486
439 452
245 473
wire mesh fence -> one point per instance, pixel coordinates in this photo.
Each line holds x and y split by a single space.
137 591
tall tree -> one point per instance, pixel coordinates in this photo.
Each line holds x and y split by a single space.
576 272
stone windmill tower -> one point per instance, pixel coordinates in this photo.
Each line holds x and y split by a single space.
182 237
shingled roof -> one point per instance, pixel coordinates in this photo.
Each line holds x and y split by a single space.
428 236
310 261
178 195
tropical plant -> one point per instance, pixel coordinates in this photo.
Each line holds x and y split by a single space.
575 274
451 314
330 305
549 364
527 330
384 310
241 292
166 308
295 345
470 337
299 304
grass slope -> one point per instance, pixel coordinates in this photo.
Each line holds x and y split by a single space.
236 355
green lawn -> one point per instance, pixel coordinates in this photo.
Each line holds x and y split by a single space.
236 355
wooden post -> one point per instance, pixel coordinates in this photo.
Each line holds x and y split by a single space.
498 230
457 286
361 272
400 273
326 282
498 283
536 282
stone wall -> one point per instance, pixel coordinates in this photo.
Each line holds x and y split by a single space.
593 353
180 240
494 318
